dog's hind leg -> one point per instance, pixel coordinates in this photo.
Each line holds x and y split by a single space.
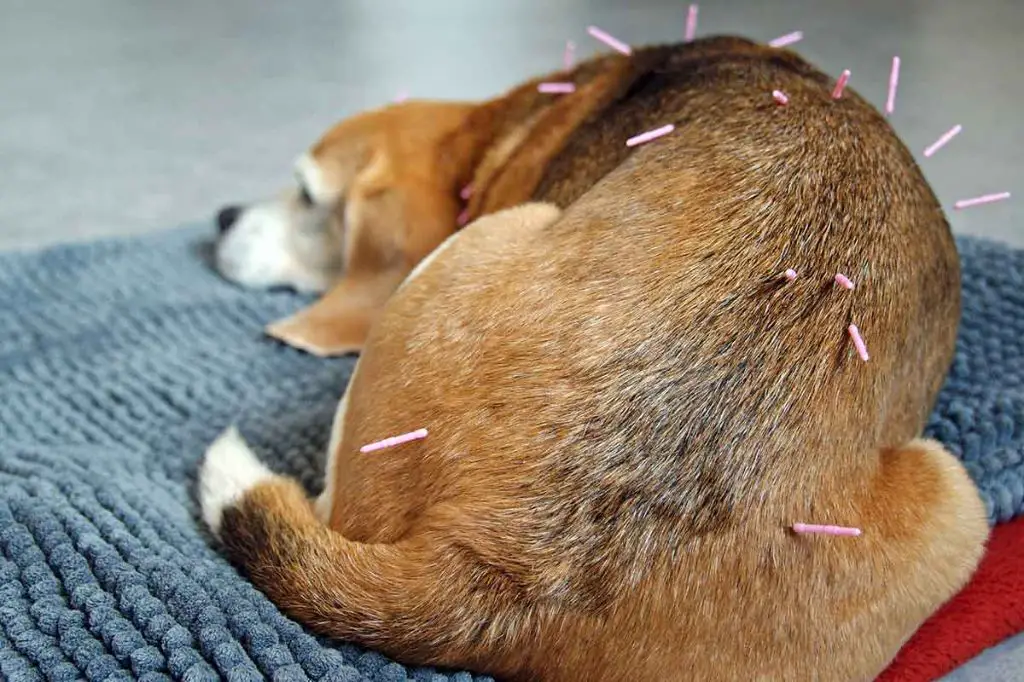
375 497
924 534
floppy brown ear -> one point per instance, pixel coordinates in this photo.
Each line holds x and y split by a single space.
338 323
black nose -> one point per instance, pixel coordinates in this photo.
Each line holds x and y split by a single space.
227 217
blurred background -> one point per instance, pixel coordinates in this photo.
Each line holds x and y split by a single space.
127 116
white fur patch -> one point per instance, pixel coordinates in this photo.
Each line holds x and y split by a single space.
229 469
271 245
313 178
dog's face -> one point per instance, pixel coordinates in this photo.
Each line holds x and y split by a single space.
354 188
294 240
371 199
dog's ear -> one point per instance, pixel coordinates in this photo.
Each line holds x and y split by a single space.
338 323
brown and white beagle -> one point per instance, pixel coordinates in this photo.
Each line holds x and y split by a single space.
630 403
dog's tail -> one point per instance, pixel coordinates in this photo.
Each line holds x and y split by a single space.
406 599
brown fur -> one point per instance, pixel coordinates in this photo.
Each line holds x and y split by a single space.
629 406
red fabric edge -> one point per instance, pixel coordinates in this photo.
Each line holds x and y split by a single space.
988 610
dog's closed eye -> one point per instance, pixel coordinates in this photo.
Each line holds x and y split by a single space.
305 198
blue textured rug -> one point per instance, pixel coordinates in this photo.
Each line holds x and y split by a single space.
120 362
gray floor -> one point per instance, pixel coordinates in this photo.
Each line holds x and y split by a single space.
127 116
1002 663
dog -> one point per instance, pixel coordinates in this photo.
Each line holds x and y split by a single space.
638 376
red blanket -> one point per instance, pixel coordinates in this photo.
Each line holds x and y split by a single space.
987 611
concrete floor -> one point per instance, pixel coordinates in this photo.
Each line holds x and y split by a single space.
121 117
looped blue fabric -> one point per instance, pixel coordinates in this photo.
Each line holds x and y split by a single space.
120 361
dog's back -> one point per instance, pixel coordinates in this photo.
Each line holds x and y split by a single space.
630 405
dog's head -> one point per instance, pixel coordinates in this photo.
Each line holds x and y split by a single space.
375 194
372 198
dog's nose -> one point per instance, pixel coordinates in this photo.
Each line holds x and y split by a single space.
227 217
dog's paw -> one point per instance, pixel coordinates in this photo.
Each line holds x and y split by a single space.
229 469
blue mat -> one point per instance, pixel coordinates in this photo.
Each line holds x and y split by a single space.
120 361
